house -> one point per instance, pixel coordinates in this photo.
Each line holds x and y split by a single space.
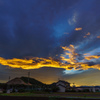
12 85
87 88
24 83
63 85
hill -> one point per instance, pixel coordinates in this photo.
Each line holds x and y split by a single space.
32 81
24 81
15 81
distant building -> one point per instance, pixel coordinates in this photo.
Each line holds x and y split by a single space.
87 88
63 85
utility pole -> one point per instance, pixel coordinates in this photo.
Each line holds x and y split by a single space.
73 84
9 78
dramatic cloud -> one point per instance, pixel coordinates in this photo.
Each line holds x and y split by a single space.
78 29
92 57
36 62
32 33
98 36
88 33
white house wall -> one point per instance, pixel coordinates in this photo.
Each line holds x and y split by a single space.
61 89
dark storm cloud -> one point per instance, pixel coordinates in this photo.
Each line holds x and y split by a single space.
36 28
90 21
88 17
40 27
91 63
26 27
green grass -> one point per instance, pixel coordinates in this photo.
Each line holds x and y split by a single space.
52 96
17 94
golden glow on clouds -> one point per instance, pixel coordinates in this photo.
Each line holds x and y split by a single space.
88 33
98 36
85 36
78 29
71 53
33 63
36 62
92 57
74 63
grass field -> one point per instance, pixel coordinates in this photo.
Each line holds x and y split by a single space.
58 95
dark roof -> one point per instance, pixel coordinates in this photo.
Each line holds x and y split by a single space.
53 84
16 81
63 82
61 85
24 80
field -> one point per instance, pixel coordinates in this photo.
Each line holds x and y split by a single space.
50 96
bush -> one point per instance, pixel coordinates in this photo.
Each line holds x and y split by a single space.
47 90
73 90
13 91
70 90
32 91
86 90
55 89
21 90
79 90
4 91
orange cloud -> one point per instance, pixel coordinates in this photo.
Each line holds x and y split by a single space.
98 36
33 63
86 54
88 33
78 29
71 53
36 62
85 36
92 57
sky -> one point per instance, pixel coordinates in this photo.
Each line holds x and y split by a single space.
53 39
